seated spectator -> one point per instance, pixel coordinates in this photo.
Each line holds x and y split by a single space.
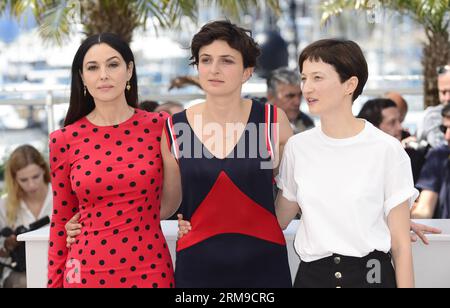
148 106
434 200
385 115
170 107
284 90
28 198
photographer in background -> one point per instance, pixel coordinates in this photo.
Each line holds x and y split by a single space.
28 198
434 181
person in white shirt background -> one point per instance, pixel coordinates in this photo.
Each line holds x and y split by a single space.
28 198
352 183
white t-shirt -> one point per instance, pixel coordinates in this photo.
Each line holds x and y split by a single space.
346 189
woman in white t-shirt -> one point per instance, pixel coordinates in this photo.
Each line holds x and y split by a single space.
28 198
352 183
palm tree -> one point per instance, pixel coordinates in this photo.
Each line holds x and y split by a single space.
432 14
57 18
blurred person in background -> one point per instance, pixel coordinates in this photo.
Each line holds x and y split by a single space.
28 199
284 91
403 108
429 130
384 114
434 181
170 107
149 106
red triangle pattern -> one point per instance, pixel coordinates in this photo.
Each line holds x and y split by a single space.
227 210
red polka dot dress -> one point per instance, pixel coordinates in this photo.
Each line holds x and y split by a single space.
113 177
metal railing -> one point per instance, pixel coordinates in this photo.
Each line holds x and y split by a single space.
49 97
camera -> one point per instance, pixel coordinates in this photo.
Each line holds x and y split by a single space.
18 263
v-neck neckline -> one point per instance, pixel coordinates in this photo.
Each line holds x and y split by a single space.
235 146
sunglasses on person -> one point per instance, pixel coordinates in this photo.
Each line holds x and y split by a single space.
443 69
444 128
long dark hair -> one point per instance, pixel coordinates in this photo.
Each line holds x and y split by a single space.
80 105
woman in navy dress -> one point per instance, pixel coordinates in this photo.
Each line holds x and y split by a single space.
225 176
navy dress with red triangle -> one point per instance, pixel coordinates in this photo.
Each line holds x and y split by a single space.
235 241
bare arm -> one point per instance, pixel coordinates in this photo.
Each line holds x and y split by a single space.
285 132
425 207
285 210
399 226
172 193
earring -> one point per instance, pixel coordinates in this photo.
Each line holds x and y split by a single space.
85 90
128 86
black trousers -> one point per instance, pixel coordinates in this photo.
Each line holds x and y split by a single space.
372 271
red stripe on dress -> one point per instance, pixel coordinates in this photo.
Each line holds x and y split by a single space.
227 210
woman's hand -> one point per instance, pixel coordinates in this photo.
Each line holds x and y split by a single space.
73 229
421 231
184 227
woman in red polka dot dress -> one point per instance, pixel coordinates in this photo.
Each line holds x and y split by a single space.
106 166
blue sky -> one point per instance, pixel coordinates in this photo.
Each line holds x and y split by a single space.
10 28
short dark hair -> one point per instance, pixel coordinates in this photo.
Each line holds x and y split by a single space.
238 38
345 56
372 111
446 111
148 106
81 105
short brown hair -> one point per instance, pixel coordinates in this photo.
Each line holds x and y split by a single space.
345 56
237 37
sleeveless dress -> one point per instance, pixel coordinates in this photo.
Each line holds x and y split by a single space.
236 241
